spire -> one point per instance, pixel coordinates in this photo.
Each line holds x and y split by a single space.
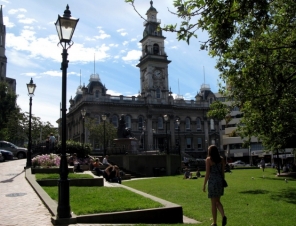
1 16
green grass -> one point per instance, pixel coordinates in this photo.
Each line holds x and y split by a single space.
258 202
90 200
40 176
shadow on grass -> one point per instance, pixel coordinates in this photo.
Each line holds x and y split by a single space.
286 195
255 192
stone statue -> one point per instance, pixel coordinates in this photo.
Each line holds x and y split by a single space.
122 131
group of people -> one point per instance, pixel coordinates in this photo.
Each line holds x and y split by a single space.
50 143
111 173
188 174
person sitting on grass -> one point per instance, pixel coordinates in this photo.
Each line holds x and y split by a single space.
187 174
198 173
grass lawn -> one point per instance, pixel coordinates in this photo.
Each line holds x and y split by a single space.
40 176
264 200
90 200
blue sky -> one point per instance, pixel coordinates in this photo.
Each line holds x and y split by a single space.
110 31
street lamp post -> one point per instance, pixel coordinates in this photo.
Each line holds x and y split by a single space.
166 118
65 26
104 119
83 113
31 88
144 129
179 143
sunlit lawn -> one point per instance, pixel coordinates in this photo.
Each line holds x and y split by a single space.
264 200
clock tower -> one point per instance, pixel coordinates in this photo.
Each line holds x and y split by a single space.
153 62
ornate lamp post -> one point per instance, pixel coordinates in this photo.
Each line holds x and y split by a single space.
65 26
83 113
31 88
166 118
179 143
104 119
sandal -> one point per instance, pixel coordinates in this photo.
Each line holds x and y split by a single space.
224 221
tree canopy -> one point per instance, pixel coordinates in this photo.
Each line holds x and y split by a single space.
254 42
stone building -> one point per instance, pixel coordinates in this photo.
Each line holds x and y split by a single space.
146 113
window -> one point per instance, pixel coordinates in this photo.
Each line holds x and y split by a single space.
140 122
115 120
199 143
97 93
176 124
198 124
157 93
187 123
212 126
128 121
160 123
155 49
188 142
211 100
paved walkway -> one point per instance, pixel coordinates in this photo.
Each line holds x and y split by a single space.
20 205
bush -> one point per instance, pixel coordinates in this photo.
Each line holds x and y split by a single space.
46 160
75 147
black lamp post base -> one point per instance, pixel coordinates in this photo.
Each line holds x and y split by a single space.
64 210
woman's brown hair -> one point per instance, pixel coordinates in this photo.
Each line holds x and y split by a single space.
214 154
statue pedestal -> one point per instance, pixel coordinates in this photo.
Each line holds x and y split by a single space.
130 145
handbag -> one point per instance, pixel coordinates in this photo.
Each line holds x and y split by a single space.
224 182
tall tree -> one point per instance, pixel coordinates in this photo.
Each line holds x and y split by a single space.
97 132
254 42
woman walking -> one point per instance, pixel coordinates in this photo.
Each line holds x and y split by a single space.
214 177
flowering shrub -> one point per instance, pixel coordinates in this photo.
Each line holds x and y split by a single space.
50 160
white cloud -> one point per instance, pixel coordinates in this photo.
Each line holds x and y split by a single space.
14 11
134 39
30 74
20 16
174 47
132 55
7 23
125 43
27 21
113 45
122 32
102 35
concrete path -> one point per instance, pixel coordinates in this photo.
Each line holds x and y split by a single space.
19 203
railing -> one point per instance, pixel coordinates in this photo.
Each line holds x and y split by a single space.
135 100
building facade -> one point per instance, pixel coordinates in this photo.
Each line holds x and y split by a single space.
3 59
153 114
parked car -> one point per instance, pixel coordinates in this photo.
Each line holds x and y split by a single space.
237 163
1 158
18 152
7 155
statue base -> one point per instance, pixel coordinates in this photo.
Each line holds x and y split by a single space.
129 145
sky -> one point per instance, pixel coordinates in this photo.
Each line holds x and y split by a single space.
106 42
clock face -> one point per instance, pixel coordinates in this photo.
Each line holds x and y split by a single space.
157 73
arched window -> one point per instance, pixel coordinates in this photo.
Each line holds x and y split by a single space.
155 49
140 122
212 126
160 123
211 100
128 121
115 120
198 124
157 93
188 123
97 93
